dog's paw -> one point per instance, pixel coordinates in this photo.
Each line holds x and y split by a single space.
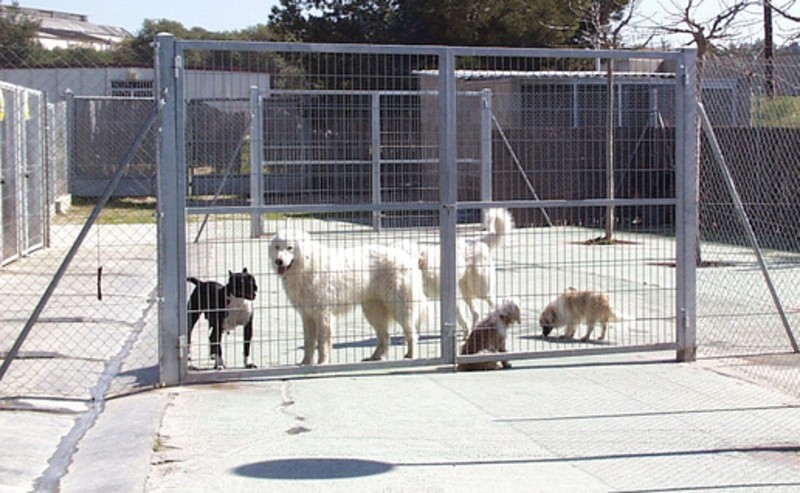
251 365
373 358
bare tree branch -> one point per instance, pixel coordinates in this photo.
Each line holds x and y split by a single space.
783 10
684 19
601 29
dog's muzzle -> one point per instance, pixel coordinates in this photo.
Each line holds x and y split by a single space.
546 329
282 266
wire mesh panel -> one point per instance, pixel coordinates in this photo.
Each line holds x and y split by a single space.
749 254
22 123
374 170
79 321
589 153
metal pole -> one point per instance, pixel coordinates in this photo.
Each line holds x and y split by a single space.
448 196
686 223
256 161
173 350
486 145
376 159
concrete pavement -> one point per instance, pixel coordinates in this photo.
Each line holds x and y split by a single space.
582 424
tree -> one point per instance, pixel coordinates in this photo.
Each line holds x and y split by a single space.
706 33
336 21
782 9
17 35
602 25
516 23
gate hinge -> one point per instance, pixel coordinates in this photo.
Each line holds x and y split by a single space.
178 66
183 348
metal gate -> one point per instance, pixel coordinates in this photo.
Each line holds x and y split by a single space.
407 147
22 152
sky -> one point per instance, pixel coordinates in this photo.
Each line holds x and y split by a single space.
228 15
224 15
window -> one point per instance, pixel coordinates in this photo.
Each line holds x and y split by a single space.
132 88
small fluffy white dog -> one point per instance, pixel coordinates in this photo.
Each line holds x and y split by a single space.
573 307
323 282
489 336
475 271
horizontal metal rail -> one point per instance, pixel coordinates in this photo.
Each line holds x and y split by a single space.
422 206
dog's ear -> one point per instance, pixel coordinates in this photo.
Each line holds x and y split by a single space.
244 271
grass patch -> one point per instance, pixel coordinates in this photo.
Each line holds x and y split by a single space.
120 210
778 112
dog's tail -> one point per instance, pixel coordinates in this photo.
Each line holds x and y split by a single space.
194 280
498 223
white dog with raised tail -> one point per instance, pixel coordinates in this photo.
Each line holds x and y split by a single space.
475 269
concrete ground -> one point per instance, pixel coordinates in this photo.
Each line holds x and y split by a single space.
623 423
612 422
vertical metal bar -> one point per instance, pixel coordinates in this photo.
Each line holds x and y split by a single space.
686 210
448 195
486 145
376 159
610 122
70 136
741 213
256 161
21 117
49 165
171 215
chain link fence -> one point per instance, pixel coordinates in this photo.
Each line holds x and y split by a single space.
86 297
750 255
98 330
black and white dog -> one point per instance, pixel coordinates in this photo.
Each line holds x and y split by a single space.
225 307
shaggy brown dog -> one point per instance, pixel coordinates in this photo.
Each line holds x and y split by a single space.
489 336
573 307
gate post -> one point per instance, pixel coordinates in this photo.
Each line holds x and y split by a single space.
256 161
375 119
173 349
686 221
486 145
448 195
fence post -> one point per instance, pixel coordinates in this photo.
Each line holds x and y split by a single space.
173 350
686 221
256 161
486 145
70 136
376 159
448 188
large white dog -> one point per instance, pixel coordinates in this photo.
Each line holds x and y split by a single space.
323 282
475 270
